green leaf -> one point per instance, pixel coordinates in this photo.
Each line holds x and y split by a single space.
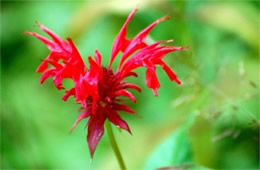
174 152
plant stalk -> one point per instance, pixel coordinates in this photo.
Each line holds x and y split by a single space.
114 145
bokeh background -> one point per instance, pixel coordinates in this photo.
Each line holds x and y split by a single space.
210 121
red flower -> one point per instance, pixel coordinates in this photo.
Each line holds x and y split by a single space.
99 89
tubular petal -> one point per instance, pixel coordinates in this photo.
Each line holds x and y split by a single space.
58 82
81 116
49 73
138 41
68 93
127 94
169 72
121 107
95 131
42 67
46 41
131 74
76 56
98 57
95 70
152 80
116 120
132 86
120 40
55 37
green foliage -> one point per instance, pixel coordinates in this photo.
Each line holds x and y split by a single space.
219 74
175 150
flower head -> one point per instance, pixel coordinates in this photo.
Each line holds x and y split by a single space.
99 89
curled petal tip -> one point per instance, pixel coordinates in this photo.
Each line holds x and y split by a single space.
71 130
135 10
178 81
164 18
130 132
185 48
169 41
139 116
38 24
69 39
155 92
28 32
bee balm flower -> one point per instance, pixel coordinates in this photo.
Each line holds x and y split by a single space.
99 89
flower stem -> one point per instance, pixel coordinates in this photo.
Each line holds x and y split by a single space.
114 145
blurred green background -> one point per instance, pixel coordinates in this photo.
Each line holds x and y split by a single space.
210 121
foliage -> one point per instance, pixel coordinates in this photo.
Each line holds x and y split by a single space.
220 90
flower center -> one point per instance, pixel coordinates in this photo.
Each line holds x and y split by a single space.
108 86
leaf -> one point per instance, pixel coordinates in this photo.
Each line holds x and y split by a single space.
174 152
183 166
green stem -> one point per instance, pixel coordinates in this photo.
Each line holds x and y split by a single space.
114 145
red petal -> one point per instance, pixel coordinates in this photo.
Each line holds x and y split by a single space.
55 37
146 54
94 69
128 67
169 72
49 73
79 95
77 57
51 45
159 54
94 105
127 94
81 90
120 41
121 107
68 93
81 116
132 86
58 82
131 74
83 103
138 41
54 63
116 120
95 131
152 80
43 66
98 57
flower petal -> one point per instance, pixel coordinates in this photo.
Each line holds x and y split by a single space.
120 42
117 120
81 116
132 86
131 74
121 107
95 70
138 40
55 37
57 80
76 57
127 94
49 73
169 72
68 93
98 57
43 66
95 131
51 45
152 80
